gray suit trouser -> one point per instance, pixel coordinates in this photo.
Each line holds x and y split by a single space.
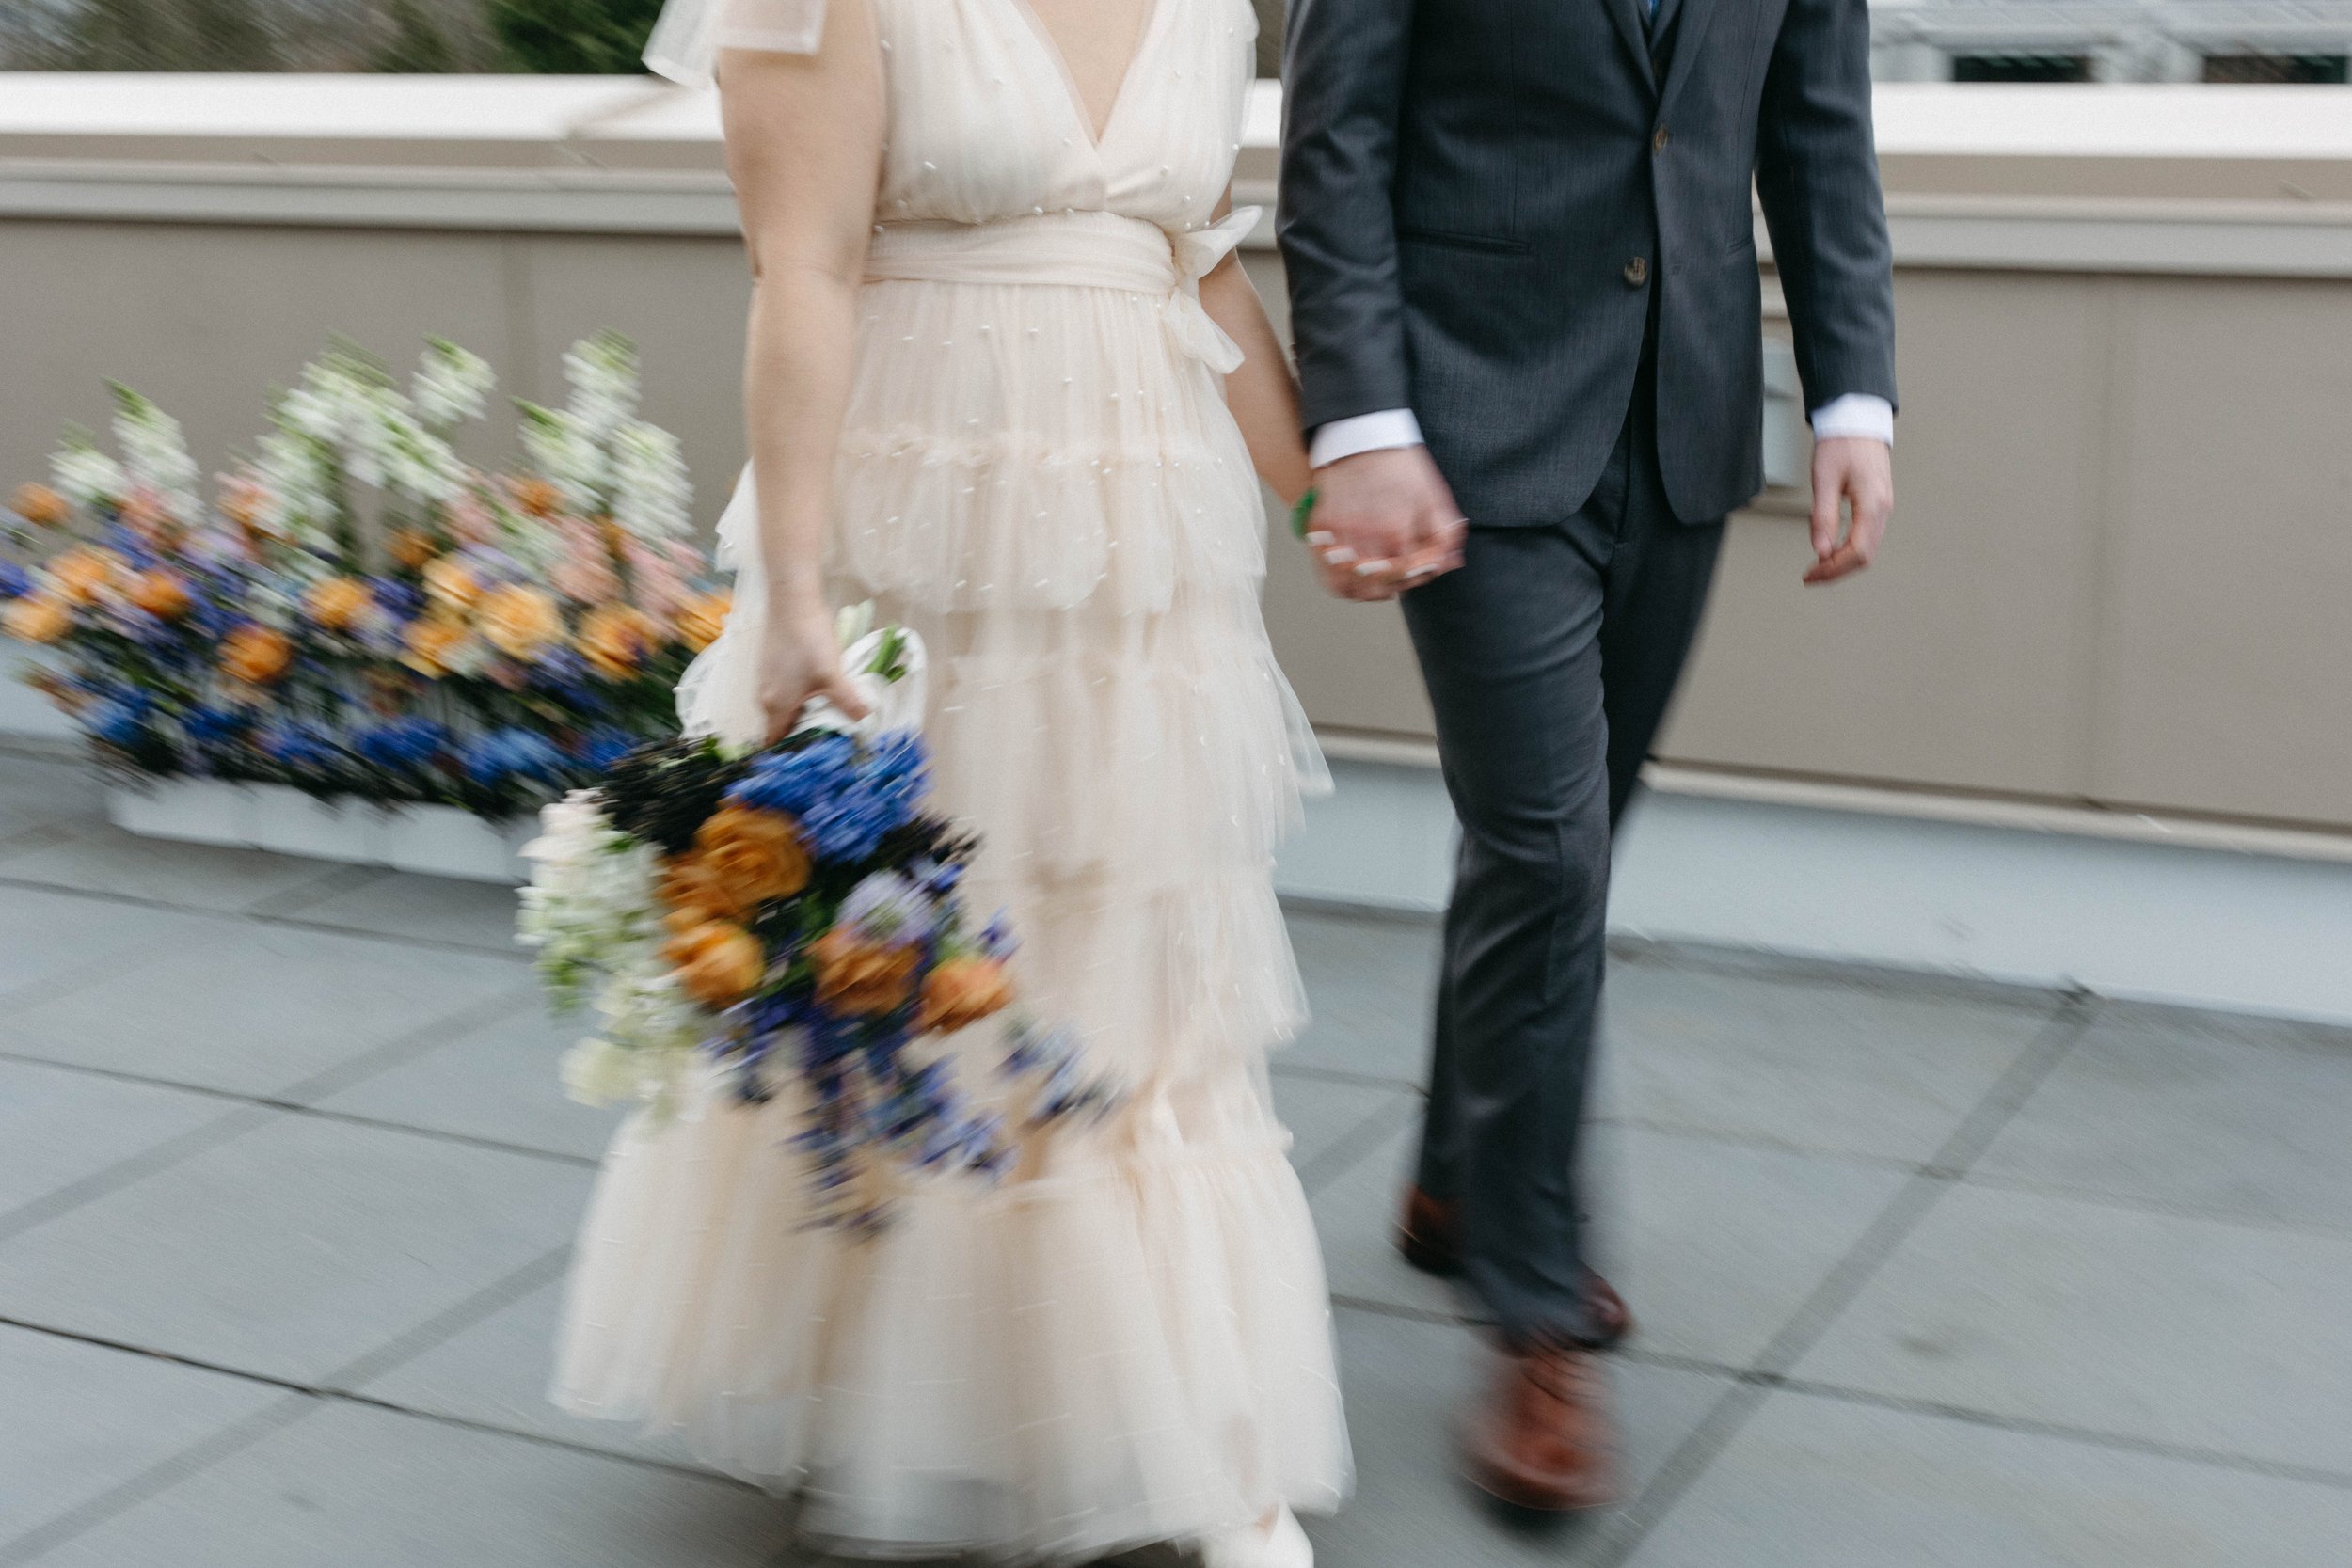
1551 658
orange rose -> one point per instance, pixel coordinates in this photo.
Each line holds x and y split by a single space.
538 498
37 618
256 654
717 963
437 645
85 573
161 592
452 583
962 991
695 893
337 603
408 547
41 506
857 977
519 620
704 617
757 855
616 639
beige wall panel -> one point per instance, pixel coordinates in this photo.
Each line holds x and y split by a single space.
1961 658
683 300
2226 675
207 320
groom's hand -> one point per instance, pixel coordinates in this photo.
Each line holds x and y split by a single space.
1859 470
1384 521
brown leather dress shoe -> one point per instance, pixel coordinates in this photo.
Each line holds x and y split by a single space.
1543 1438
1429 1237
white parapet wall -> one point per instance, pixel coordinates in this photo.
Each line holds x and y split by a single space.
2112 903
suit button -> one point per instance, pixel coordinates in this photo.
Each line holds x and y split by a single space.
1637 272
1658 142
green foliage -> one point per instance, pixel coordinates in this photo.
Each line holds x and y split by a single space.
419 45
171 35
590 37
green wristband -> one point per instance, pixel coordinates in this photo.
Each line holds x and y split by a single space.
1302 509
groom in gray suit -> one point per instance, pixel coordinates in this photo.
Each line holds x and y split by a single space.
1523 274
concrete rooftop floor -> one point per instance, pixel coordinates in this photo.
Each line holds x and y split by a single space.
1929 1274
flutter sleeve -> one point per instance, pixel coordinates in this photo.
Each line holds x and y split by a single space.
687 39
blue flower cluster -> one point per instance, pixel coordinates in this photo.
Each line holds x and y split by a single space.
401 743
846 798
513 753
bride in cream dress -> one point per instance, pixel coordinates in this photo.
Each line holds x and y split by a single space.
1005 380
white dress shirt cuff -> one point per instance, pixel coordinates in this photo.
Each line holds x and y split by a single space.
1389 427
1863 414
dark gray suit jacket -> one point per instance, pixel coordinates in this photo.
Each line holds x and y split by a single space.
1479 198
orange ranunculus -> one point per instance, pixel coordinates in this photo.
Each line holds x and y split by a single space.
704 617
41 506
717 963
519 620
615 638
962 992
85 573
858 976
160 591
410 548
144 513
757 855
256 654
437 645
537 497
37 618
337 603
452 583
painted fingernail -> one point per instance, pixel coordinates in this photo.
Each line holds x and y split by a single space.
1321 536
1339 555
1371 569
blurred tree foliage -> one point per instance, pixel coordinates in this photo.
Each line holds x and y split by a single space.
417 44
182 35
574 37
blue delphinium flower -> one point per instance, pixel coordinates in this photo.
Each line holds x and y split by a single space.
404 599
797 782
602 745
514 754
209 725
15 582
298 743
119 721
401 743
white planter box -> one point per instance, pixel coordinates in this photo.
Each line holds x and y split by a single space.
437 841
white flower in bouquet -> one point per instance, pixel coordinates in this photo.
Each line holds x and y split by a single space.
88 476
590 904
602 373
155 454
564 448
650 1049
652 497
450 385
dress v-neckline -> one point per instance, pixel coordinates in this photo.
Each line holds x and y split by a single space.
1051 47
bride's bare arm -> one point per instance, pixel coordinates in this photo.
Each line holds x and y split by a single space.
804 143
1262 395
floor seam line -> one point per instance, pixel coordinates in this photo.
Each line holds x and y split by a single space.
2219 1458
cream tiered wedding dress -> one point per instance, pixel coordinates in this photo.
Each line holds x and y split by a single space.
1128 1341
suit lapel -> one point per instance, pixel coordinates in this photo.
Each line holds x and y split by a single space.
1685 42
1634 26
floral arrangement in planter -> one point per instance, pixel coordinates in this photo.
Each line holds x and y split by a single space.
358 613
791 920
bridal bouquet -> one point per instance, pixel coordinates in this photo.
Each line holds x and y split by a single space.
792 920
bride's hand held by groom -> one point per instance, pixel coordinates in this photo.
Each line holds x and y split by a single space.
1384 521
